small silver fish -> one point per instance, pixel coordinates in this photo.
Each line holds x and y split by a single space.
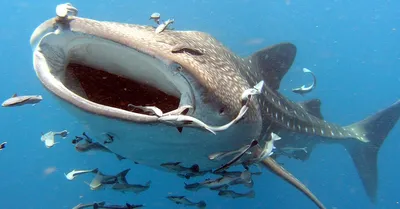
3 145
303 89
90 205
89 145
74 173
135 188
235 195
164 25
16 100
184 201
156 17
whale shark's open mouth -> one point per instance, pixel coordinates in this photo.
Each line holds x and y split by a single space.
113 90
108 78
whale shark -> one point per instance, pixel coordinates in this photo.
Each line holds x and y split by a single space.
96 69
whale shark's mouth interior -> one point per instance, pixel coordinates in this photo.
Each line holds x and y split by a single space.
113 75
113 90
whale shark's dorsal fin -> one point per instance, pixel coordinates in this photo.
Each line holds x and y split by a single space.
274 62
313 107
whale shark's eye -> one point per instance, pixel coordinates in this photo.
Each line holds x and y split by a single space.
222 111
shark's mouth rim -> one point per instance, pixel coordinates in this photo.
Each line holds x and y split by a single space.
49 78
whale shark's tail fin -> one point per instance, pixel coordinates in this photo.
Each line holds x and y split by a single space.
372 131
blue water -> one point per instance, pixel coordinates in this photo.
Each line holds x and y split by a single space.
352 46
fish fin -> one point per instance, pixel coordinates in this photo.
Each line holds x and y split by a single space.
3 145
122 175
180 129
14 95
148 183
195 168
201 204
306 70
274 62
372 131
273 166
313 107
119 157
251 194
95 206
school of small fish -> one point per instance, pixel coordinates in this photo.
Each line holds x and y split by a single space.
118 182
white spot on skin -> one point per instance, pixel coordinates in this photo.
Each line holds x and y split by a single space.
267 110
313 130
249 60
306 129
332 133
286 108
322 131
288 124
299 127
273 99
276 115
279 103
340 133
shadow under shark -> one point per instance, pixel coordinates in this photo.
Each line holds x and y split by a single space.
96 69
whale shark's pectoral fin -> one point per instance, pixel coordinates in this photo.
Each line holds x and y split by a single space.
274 62
273 166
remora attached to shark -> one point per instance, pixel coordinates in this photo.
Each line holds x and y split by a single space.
97 68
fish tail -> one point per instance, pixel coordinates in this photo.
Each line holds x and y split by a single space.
371 132
148 183
3 145
202 204
251 194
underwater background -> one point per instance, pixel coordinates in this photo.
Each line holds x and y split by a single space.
353 47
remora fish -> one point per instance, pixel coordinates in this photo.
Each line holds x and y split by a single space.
235 195
16 100
303 89
74 173
97 68
89 205
184 201
126 206
135 188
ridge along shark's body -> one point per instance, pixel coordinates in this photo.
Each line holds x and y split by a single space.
97 68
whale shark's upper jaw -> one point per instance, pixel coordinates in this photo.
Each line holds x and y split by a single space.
104 77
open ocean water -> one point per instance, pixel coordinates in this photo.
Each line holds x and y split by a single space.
353 47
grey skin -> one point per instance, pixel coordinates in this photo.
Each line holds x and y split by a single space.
182 200
16 100
89 205
71 56
235 195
